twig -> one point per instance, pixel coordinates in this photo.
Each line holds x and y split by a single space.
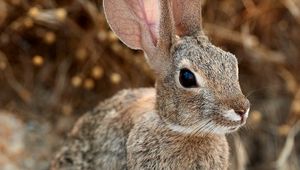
288 146
248 41
60 82
240 152
22 92
48 17
3 12
291 5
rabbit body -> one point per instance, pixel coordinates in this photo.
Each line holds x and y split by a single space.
181 124
125 132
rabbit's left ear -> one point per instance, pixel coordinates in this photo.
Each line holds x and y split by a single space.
142 24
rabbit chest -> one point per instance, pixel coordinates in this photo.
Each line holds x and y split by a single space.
153 146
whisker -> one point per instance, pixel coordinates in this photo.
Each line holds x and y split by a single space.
250 93
204 127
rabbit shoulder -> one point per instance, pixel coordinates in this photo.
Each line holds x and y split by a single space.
98 139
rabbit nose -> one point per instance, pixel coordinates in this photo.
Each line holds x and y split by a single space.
243 108
240 112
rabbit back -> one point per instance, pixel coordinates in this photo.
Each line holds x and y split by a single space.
98 139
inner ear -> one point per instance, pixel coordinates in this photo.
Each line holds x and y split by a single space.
143 24
135 22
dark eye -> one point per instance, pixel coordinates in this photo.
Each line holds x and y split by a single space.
187 79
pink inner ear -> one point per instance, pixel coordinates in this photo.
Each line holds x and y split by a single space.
136 22
152 17
148 13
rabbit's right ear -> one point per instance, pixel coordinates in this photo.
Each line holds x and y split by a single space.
142 24
187 16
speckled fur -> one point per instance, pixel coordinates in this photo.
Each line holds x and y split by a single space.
98 139
127 132
157 147
222 91
169 127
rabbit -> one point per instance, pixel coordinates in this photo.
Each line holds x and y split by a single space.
181 123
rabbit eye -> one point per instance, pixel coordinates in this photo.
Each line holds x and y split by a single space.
187 79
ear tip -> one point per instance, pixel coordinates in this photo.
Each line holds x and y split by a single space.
187 16
126 19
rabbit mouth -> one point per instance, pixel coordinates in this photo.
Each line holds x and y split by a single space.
222 128
234 118
219 125
227 123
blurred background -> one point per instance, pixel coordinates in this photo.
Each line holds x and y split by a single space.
58 59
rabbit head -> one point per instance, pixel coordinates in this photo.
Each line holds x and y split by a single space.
197 83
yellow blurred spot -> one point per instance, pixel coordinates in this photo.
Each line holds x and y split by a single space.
255 117
115 78
89 84
25 95
49 37
38 60
67 109
16 25
116 47
76 81
284 130
112 36
102 35
33 12
295 108
15 2
2 65
291 82
28 22
296 103
97 72
61 14
81 54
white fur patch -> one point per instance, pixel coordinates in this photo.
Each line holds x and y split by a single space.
201 126
205 126
185 63
180 129
231 115
217 129
247 113
201 82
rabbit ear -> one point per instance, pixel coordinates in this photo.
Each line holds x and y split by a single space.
187 16
141 24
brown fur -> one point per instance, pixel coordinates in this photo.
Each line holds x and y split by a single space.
169 127
98 139
157 147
